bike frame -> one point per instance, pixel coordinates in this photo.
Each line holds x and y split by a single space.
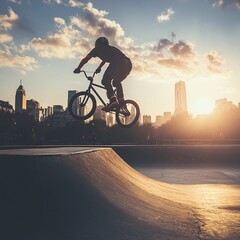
90 87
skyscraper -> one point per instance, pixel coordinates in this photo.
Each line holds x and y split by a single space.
20 99
180 98
33 108
75 109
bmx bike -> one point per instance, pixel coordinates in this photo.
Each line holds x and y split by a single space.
83 105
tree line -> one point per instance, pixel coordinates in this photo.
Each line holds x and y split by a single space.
16 128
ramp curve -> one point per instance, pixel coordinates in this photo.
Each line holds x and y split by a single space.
91 195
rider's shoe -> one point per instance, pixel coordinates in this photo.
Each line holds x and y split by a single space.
123 107
111 105
125 111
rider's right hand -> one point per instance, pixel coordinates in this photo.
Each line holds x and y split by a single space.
98 70
77 70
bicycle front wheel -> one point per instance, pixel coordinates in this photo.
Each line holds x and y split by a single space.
129 116
82 105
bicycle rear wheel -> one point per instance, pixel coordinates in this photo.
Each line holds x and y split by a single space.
82 105
129 117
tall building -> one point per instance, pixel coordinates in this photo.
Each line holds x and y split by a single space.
33 108
20 99
224 105
71 93
180 98
147 119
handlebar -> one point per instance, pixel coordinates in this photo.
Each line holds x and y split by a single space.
90 78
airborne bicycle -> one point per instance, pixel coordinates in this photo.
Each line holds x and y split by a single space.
83 104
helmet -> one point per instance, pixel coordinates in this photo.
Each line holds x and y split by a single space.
102 41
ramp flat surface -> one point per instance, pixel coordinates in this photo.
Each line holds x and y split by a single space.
93 194
45 151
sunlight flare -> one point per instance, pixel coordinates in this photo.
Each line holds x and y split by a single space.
203 106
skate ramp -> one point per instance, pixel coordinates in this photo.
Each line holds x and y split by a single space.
93 194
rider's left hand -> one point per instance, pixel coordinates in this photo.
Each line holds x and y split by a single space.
77 70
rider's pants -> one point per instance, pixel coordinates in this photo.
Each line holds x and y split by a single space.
114 75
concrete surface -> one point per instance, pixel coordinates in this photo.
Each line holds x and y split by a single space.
85 193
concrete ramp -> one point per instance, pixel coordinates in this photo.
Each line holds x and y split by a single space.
86 194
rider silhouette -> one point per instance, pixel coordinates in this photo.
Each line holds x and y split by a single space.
119 68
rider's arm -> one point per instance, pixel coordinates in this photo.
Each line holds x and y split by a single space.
98 70
101 64
83 62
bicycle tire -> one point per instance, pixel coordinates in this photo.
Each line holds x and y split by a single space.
128 121
87 96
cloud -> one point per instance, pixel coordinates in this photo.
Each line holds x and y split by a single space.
66 43
75 3
215 62
15 1
8 21
69 3
53 1
164 43
178 55
12 21
10 55
177 64
23 63
4 37
94 23
77 37
165 16
168 58
49 47
182 49
223 3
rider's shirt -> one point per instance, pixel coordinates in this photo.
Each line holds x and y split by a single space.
108 54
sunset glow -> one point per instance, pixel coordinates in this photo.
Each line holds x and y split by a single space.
167 41
203 106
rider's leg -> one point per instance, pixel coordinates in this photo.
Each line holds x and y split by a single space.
107 83
123 70
117 83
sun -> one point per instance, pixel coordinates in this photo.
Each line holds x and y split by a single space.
203 106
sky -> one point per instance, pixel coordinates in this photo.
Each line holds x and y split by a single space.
42 42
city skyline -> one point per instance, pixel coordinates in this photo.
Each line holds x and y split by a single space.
167 41
40 113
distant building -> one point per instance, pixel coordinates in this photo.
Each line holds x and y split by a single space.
99 114
180 98
167 116
33 109
71 93
159 121
6 107
20 99
59 119
48 111
224 105
147 119
57 109
41 114
110 119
